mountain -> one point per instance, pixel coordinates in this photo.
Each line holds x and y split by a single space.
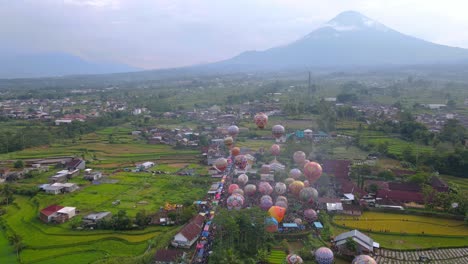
349 39
53 64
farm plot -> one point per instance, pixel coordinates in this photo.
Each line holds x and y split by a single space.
406 224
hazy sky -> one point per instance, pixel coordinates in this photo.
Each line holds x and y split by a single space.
163 33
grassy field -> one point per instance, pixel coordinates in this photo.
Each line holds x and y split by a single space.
409 224
137 191
7 254
462 183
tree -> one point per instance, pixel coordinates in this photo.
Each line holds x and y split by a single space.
453 132
17 242
351 245
428 196
18 164
6 192
141 219
407 154
373 188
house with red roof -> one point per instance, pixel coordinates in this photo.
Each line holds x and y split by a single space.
189 234
48 213
168 256
56 214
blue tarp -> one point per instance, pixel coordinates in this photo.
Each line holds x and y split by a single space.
205 233
289 225
318 225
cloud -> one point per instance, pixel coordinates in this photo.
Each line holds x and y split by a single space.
170 33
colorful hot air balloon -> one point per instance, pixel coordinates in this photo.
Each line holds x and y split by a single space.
306 183
232 187
282 198
265 188
261 120
277 212
288 181
271 224
221 164
298 221
294 259
282 204
363 259
313 171
238 191
275 150
308 195
295 173
250 189
241 161
310 214
277 131
243 179
235 201
324 255
296 187
280 188
235 151
265 202
233 131
299 157
228 141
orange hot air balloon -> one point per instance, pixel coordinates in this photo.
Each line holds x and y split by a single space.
277 212
313 171
296 187
235 151
261 120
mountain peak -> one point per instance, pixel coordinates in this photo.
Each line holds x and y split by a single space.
352 21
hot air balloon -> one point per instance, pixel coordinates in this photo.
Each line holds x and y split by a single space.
280 188
282 204
235 151
313 171
265 169
241 161
271 224
324 255
250 189
310 214
294 259
265 203
363 259
275 150
288 181
265 188
221 164
235 201
298 221
295 173
261 120
306 183
243 179
228 141
233 131
282 198
232 187
308 195
296 187
278 131
299 157
277 212
238 191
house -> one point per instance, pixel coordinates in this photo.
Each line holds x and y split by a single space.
145 165
189 234
93 175
57 188
352 209
168 256
94 218
334 207
364 243
76 164
48 188
438 184
47 214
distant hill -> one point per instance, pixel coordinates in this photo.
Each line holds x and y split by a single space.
53 64
349 39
